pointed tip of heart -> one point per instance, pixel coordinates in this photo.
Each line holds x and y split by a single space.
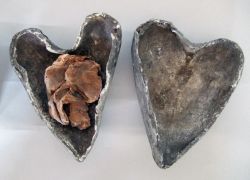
163 157
159 158
78 142
81 156
166 156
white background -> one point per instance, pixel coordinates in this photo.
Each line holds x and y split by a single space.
29 151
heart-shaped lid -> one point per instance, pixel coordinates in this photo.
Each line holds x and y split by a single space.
182 87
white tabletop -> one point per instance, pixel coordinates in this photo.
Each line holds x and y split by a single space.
29 151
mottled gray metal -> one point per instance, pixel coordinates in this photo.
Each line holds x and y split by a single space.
32 52
182 87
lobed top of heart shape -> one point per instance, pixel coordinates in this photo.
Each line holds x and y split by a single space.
182 87
32 52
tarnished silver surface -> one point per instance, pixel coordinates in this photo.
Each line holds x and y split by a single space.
182 87
32 52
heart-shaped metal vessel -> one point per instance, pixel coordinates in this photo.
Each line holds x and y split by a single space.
32 52
181 86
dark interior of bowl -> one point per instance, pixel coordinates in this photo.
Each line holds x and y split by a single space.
32 55
187 88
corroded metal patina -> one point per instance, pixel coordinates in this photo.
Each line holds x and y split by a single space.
182 87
